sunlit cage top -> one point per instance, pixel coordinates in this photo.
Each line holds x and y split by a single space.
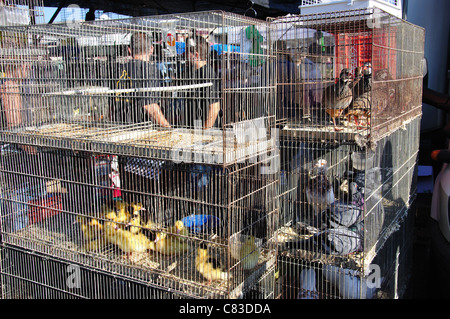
348 74
191 87
21 12
393 7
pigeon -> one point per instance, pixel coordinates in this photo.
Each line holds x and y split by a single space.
319 190
356 195
339 241
337 97
349 284
339 214
308 284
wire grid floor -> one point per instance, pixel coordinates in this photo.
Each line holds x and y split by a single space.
54 237
207 146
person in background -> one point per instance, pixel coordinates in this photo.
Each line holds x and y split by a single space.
12 111
140 72
201 103
286 69
133 177
311 75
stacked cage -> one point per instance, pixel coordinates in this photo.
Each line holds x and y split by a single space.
140 151
21 12
349 98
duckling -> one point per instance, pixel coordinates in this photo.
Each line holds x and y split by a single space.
94 244
127 241
119 215
137 207
90 227
169 245
208 266
248 253
122 212
135 223
179 229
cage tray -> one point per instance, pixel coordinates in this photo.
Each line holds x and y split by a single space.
175 272
183 145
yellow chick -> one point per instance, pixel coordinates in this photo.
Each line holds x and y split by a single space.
135 224
94 244
250 253
179 229
122 212
119 215
247 252
135 221
137 207
90 227
127 241
169 245
209 267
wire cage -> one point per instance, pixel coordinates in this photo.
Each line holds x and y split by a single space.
393 7
198 231
387 277
347 74
196 83
30 275
21 12
341 203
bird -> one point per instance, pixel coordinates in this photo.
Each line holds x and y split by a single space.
119 215
319 190
134 224
384 92
208 266
167 244
179 229
127 241
246 251
350 284
91 227
339 241
338 96
339 214
137 207
308 288
286 233
356 195
360 107
122 212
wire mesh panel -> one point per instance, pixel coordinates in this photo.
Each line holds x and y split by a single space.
349 106
340 203
386 278
29 275
198 83
21 12
347 74
201 231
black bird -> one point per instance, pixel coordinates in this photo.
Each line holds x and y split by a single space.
337 97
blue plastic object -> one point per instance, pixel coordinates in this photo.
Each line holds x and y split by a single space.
200 223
